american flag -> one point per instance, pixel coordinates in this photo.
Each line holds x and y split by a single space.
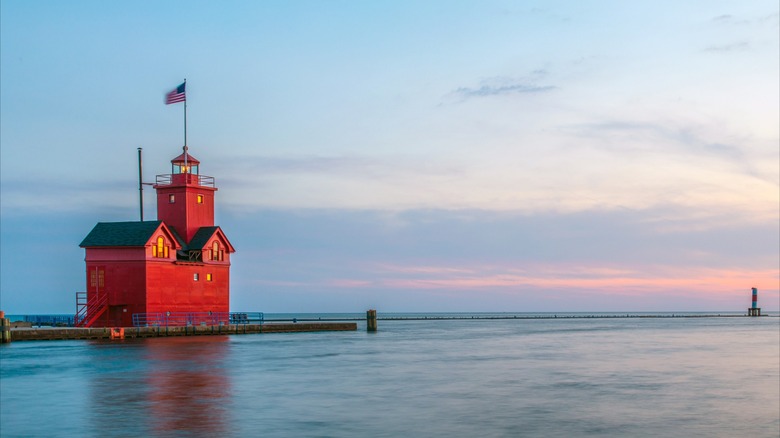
176 95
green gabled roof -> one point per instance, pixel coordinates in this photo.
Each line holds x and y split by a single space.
120 234
202 237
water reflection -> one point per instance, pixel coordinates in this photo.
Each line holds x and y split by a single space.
161 387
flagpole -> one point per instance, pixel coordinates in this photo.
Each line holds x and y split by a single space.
140 184
185 125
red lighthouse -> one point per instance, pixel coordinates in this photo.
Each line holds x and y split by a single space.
178 265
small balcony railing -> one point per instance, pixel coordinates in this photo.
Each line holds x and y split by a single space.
189 178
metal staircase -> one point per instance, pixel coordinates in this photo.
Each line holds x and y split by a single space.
88 310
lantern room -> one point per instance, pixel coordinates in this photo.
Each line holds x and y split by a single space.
184 169
184 163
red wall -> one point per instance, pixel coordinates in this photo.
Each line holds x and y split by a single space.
104 254
172 288
124 283
137 283
185 215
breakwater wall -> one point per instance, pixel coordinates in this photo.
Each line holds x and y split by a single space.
562 316
446 317
71 333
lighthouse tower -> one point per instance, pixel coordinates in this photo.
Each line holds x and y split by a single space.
175 270
185 199
754 310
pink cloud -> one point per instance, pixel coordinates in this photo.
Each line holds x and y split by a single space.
609 279
348 283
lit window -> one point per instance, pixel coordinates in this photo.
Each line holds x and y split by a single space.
200 199
195 276
215 251
160 250
208 277
171 199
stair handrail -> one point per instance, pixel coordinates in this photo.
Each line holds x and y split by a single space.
90 309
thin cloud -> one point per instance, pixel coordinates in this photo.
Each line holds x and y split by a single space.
109 195
687 138
356 166
728 19
506 86
726 48
488 90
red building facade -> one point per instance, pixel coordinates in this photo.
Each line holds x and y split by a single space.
177 265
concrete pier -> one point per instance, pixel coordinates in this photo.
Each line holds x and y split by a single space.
72 333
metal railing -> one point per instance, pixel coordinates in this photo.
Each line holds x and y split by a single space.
52 320
203 180
247 317
89 307
184 319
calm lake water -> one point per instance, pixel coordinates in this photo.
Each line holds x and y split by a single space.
629 377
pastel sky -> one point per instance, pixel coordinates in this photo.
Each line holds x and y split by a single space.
405 155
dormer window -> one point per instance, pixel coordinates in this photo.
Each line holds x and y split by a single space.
160 249
217 254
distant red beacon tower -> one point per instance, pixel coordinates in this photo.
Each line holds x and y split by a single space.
176 265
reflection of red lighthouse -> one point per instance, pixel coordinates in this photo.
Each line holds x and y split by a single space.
754 310
188 394
174 386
